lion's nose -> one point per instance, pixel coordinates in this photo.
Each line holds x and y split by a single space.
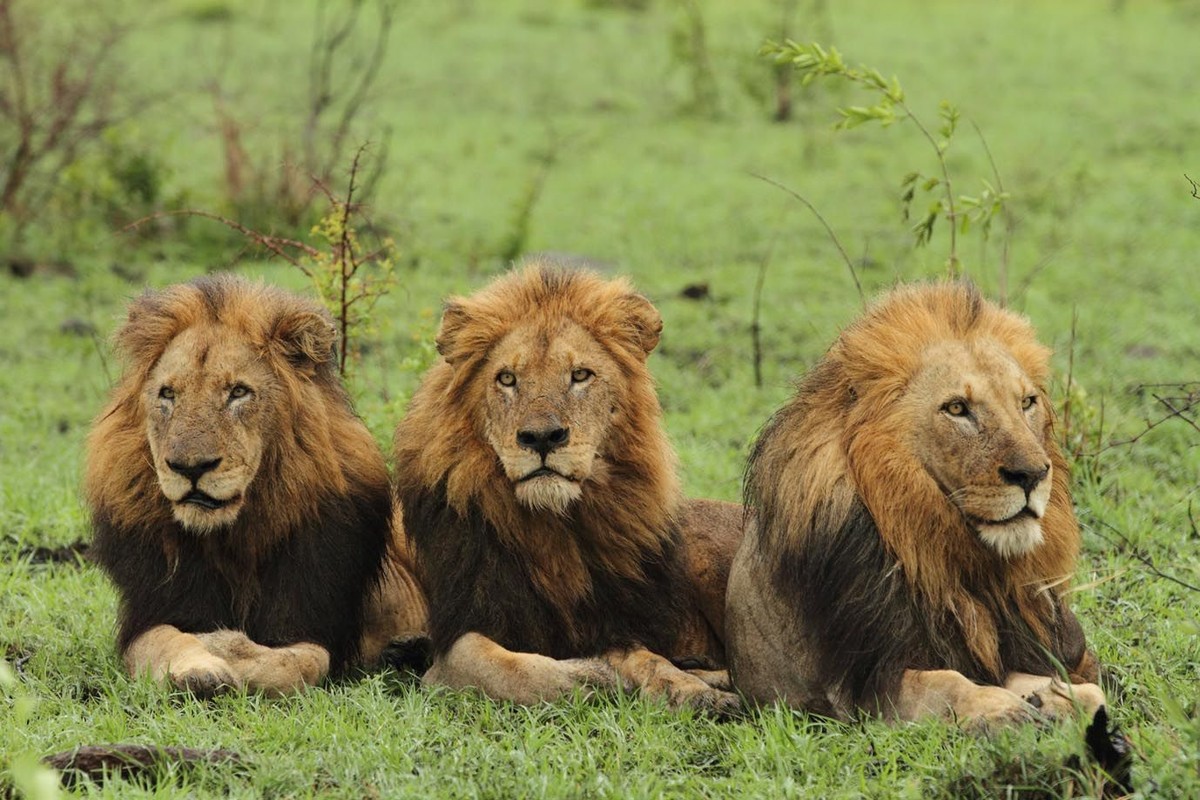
1026 477
543 441
194 470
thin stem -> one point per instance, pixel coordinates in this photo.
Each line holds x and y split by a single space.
952 213
1009 223
828 229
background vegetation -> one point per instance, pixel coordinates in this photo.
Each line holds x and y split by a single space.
624 132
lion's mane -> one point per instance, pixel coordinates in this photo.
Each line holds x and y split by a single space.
882 571
309 542
605 574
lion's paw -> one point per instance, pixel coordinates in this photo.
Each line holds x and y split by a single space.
208 679
707 700
991 708
1058 700
716 678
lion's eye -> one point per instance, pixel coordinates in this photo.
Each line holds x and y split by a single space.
506 378
166 393
956 408
580 375
1029 402
239 391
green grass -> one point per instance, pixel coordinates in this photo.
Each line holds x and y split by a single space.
1089 110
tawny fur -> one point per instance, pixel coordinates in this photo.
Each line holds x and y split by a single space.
843 456
304 483
560 563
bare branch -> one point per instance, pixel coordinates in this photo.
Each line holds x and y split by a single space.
278 245
1195 188
1141 556
1009 221
1186 403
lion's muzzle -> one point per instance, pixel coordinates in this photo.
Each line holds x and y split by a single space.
194 470
545 439
1025 477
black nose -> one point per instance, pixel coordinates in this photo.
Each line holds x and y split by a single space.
1025 477
545 440
193 471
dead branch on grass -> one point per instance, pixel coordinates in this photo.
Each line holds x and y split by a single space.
1126 545
1178 406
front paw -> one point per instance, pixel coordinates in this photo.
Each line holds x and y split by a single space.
705 699
207 679
991 708
1058 700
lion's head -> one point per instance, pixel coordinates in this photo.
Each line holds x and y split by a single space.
933 407
545 386
928 425
230 400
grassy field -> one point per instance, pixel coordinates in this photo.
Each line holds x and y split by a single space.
1089 110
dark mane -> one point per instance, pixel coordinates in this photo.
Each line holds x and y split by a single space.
476 582
309 588
868 626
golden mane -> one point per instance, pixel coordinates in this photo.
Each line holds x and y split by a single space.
842 443
441 447
320 448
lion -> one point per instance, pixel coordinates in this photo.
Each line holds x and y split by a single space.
914 538
540 493
239 506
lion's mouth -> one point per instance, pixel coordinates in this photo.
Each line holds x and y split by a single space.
1024 513
198 498
543 472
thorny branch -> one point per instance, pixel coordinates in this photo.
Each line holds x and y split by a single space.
327 44
52 109
278 245
1178 407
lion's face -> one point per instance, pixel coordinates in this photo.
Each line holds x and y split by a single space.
548 411
208 415
978 425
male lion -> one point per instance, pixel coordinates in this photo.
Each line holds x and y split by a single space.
539 490
239 505
915 535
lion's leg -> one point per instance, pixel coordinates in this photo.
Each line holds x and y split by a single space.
475 661
716 678
396 610
658 677
951 696
1053 697
271 670
167 653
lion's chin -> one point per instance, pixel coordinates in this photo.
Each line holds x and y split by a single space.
552 493
1014 538
203 518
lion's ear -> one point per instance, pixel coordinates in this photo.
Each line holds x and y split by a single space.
644 323
454 319
147 330
306 336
